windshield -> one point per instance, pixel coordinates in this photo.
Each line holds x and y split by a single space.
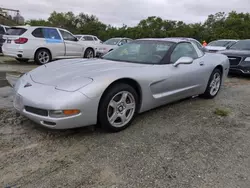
16 31
140 51
241 45
219 43
78 37
112 41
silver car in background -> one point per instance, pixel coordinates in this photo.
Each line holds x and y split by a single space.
134 78
219 45
110 45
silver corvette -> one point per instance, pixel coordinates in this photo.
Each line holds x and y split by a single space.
134 78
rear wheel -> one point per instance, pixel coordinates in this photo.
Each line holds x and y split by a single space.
118 107
89 53
214 84
42 56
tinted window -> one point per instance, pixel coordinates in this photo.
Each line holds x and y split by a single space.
241 45
38 33
2 30
88 38
51 33
16 31
67 36
140 51
183 50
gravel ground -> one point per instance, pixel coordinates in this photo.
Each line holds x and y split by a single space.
179 145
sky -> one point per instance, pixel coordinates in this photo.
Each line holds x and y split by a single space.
129 12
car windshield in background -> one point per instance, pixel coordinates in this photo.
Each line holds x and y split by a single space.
219 43
241 45
112 41
140 51
78 37
16 31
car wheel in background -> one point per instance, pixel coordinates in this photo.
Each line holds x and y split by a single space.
89 53
214 84
42 56
118 107
22 60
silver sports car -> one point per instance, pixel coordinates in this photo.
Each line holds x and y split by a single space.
134 78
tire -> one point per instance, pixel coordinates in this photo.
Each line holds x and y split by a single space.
43 56
89 53
211 91
121 108
22 60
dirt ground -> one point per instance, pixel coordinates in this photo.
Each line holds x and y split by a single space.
184 145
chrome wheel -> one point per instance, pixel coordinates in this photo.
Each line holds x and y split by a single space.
43 57
121 109
215 84
89 54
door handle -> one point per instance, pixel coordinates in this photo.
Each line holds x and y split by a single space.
201 63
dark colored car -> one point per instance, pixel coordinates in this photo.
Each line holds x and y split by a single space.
239 57
3 30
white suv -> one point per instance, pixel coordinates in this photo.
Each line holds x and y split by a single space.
43 44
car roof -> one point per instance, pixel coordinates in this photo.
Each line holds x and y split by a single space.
173 39
34 27
227 40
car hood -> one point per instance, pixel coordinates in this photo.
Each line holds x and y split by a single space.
236 52
73 74
217 48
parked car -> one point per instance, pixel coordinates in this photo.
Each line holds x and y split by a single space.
111 44
239 57
3 30
219 45
196 42
89 39
134 78
43 44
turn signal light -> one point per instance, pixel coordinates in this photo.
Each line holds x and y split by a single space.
71 112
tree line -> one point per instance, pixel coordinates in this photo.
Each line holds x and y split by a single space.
217 26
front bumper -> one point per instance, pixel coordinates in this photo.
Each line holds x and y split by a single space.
36 101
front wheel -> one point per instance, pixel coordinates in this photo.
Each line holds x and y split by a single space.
214 84
89 53
118 107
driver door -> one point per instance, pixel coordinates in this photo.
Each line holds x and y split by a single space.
184 80
72 46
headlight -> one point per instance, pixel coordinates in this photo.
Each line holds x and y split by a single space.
247 59
63 113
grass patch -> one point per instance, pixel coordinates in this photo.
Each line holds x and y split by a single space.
221 112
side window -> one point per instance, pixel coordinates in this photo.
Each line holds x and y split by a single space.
183 50
88 38
38 33
67 36
198 45
51 33
95 39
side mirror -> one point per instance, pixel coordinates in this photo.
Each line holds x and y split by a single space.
76 39
183 60
227 47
